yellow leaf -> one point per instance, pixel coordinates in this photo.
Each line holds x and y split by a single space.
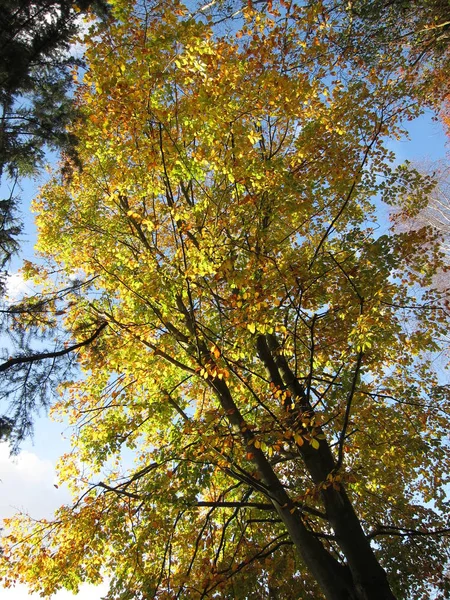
298 439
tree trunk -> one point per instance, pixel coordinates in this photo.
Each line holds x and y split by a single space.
368 578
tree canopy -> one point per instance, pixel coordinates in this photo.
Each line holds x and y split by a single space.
260 342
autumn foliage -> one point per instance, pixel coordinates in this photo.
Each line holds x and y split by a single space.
259 416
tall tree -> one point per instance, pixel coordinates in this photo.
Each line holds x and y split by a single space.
364 30
35 78
259 348
36 104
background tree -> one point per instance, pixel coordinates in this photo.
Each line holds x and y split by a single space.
366 30
36 105
260 350
35 77
436 213
421 27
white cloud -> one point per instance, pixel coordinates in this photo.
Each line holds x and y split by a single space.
87 592
16 287
27 484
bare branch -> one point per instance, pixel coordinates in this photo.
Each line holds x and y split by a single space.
20 360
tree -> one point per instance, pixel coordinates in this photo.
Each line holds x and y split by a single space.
445 114
259 349
436 213
36 105
35 78
421 27
418 29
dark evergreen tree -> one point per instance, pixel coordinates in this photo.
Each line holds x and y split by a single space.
36 105
35 81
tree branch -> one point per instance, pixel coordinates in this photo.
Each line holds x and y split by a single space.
405 532
348 410
259 506
19 360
